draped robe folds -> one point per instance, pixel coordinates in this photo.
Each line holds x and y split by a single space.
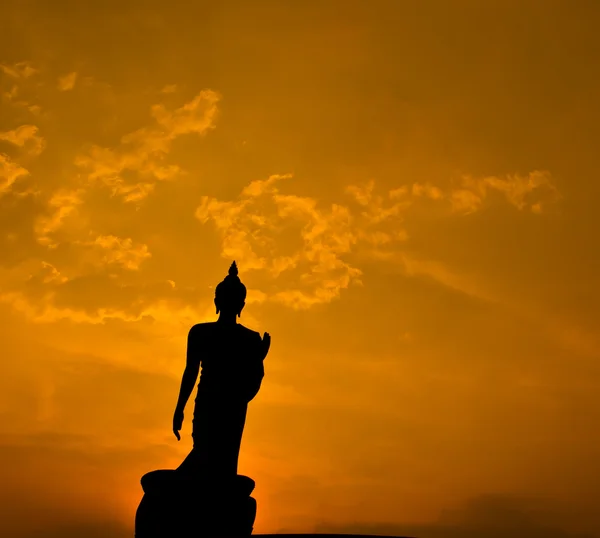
231 358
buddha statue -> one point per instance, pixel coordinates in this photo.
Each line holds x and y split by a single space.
205 496
231 358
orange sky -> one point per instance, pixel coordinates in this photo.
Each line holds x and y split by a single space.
410 189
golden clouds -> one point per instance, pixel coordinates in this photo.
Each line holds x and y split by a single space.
19 70
122 251
25 136
256 229
531 192
143 152
67 82
49 296
267 230
60 206
427 190
9 173
22 78
81 267
310 250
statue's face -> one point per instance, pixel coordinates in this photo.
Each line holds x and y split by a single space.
228 306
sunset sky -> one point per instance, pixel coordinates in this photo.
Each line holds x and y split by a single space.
410 190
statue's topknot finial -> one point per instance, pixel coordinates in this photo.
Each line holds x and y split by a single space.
231 290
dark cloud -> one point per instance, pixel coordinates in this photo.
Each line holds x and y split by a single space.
487 516
100 529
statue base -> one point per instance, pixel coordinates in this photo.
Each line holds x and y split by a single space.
175 505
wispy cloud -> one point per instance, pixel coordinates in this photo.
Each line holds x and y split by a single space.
259 227
67 82
268 230
62 204
121 251
19 70
444 275
25 136
50 294
427 190
21 86
144 151
9 173
532 192
10 94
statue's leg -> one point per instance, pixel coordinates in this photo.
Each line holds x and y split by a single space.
196 460
225 450
237 432
217 434
191 464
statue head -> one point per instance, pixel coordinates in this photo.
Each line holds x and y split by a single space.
230 294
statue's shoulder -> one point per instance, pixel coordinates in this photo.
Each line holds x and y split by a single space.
202 328
249 332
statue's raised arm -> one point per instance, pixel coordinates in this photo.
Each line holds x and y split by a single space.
266 343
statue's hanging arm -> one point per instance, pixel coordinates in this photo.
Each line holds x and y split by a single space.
188 381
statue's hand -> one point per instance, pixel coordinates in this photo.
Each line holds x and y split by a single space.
177 423
266 342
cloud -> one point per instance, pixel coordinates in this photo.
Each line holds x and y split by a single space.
489 516
143 152
25 135
442 274
19 76
427 190
89 529
304 251
94 290
121 251
67 82
9 173
20 70
466 201
532 192
363 194
61 205
11 94
376 207
265 229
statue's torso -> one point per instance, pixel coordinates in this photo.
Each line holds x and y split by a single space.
231 362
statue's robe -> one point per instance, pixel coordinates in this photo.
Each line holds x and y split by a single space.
231 359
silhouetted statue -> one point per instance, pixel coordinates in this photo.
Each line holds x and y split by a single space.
205 494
